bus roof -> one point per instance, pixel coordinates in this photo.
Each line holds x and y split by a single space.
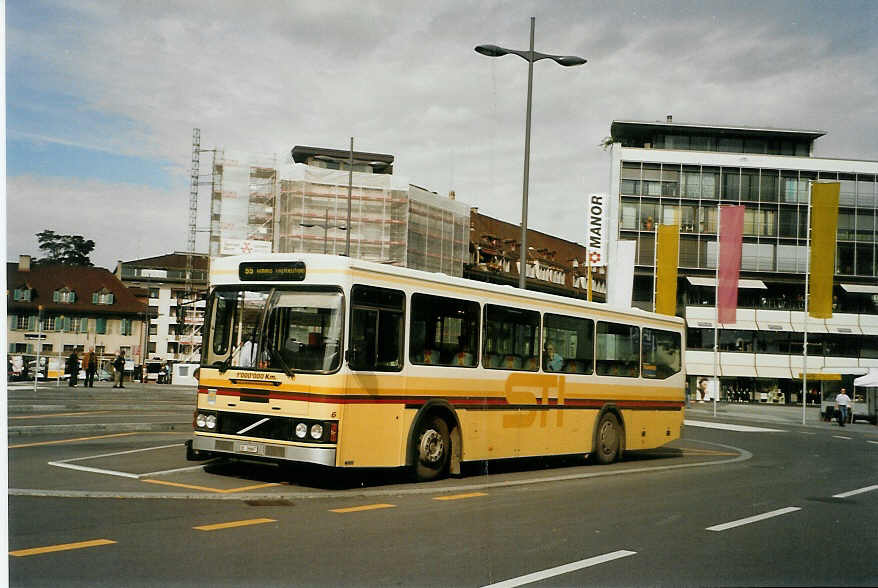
225 271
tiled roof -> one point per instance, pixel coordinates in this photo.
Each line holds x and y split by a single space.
84 281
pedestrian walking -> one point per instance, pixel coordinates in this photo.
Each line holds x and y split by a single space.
119 370
842 406
73 368
90 362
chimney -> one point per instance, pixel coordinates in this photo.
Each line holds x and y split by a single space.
24 263
451 195
670 118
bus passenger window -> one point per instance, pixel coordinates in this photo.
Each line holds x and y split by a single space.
513 335
444 331
568 344
376 330
661 353
618 350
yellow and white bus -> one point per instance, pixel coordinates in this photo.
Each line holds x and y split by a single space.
345 363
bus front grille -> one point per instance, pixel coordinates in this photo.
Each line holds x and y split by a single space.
255 425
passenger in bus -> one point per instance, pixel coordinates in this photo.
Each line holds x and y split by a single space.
530 364
572 367
248 354
463 357
552 361
431 357
512 362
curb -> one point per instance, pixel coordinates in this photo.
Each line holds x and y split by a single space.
100 428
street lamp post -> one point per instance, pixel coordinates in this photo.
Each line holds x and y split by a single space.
530 56
326 226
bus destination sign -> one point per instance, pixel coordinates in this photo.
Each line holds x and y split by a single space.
272 271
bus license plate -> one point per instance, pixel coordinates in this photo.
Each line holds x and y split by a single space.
244 448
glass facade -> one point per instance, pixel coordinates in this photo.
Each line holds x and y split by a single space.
775 222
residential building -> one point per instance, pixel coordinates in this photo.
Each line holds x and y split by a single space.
176 286
666 172
554 265
54 309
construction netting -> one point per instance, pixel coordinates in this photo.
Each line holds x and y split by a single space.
257 207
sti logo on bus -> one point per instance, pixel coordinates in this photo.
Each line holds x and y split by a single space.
272 271
597 230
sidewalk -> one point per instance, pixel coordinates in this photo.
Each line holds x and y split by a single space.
771 413
62 410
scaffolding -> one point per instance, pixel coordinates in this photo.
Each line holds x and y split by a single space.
303 208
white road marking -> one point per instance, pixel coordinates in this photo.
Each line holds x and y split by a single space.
68 463
841 437
855 492
875 442
557 571
753 519
729 427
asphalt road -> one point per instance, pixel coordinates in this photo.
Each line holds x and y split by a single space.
782 504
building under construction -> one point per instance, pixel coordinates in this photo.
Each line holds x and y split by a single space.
303 206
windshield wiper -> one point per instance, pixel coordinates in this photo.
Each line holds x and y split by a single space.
275 354
225 364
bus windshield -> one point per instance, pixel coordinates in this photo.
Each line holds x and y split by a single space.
275 328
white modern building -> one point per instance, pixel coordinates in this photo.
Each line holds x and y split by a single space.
176 286
662 171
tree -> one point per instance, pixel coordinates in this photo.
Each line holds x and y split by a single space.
64 249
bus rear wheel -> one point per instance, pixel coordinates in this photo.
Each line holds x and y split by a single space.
432 449
609 439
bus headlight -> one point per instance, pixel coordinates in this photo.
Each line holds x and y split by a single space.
301 430
200 421
210 421
316 431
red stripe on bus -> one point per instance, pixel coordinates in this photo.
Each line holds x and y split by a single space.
462 401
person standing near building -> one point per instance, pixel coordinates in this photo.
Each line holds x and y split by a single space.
73 369
119 369
90 363
842 406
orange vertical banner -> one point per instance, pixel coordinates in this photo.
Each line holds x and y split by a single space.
824 225
668 251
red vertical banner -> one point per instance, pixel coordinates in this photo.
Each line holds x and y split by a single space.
731 226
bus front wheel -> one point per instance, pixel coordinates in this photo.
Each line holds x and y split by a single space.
432 449
608 440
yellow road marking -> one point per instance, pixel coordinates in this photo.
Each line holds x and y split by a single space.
60 441
207 489
360 508
234 524
63 547
460 496
59 414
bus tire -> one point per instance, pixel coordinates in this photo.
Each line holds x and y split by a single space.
608 441
432 448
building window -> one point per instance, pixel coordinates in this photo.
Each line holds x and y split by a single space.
101 326
47 348
150 348
49 323
99 349
153 292
23 322
64 296
102 297
153 329
22 294
125 328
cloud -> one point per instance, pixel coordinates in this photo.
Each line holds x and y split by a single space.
126 222
402 78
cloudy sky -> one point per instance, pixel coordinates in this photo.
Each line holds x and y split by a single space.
102 97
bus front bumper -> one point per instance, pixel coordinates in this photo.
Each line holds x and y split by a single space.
316 455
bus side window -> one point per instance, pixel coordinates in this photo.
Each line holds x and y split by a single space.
444 331
618 350
376 330
661 353
513 335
